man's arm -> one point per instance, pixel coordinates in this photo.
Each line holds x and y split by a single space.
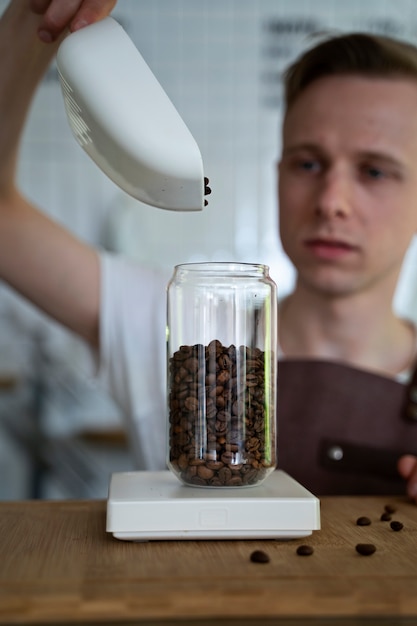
39 258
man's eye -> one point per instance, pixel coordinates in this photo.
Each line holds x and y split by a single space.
309 165
374 172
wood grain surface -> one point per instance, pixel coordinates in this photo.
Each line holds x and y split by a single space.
58 566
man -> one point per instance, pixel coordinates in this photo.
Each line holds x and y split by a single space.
347 192
348 179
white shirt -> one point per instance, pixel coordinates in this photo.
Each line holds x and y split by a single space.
133 353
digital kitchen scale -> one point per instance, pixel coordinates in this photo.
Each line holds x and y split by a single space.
147 506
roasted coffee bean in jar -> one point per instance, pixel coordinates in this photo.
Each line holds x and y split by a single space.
222 374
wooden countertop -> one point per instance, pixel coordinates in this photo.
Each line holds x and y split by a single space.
58 566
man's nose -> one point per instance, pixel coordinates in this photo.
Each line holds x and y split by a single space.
334 195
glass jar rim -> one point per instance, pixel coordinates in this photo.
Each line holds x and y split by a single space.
220 267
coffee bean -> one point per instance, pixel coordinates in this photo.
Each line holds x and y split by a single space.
365 549
191 404
259 556
205 472
396 526
219 415
207 189
386 517
363 521
389 508
305 550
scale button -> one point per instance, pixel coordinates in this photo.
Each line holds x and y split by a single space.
335 453
213 518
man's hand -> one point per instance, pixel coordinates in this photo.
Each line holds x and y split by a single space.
59 16
407 466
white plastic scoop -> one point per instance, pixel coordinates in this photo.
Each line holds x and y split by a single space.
124 120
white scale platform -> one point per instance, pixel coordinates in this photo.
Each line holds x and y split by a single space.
146 506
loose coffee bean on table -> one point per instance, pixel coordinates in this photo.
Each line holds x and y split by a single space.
395 525
305 550
386 517
363 521
365 549
220 415
389 508
259 556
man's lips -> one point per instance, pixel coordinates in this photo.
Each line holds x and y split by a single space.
329 248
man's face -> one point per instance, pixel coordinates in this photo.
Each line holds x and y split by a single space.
348 182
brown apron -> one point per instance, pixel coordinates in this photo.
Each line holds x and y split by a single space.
341 430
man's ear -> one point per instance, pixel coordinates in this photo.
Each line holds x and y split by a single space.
278 170
278 165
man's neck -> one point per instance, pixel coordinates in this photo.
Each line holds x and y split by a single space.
361 330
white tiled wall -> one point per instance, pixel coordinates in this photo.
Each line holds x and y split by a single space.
219 61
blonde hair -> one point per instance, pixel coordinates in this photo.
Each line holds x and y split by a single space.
362 54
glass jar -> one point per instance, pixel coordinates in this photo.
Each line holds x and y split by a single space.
222 374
